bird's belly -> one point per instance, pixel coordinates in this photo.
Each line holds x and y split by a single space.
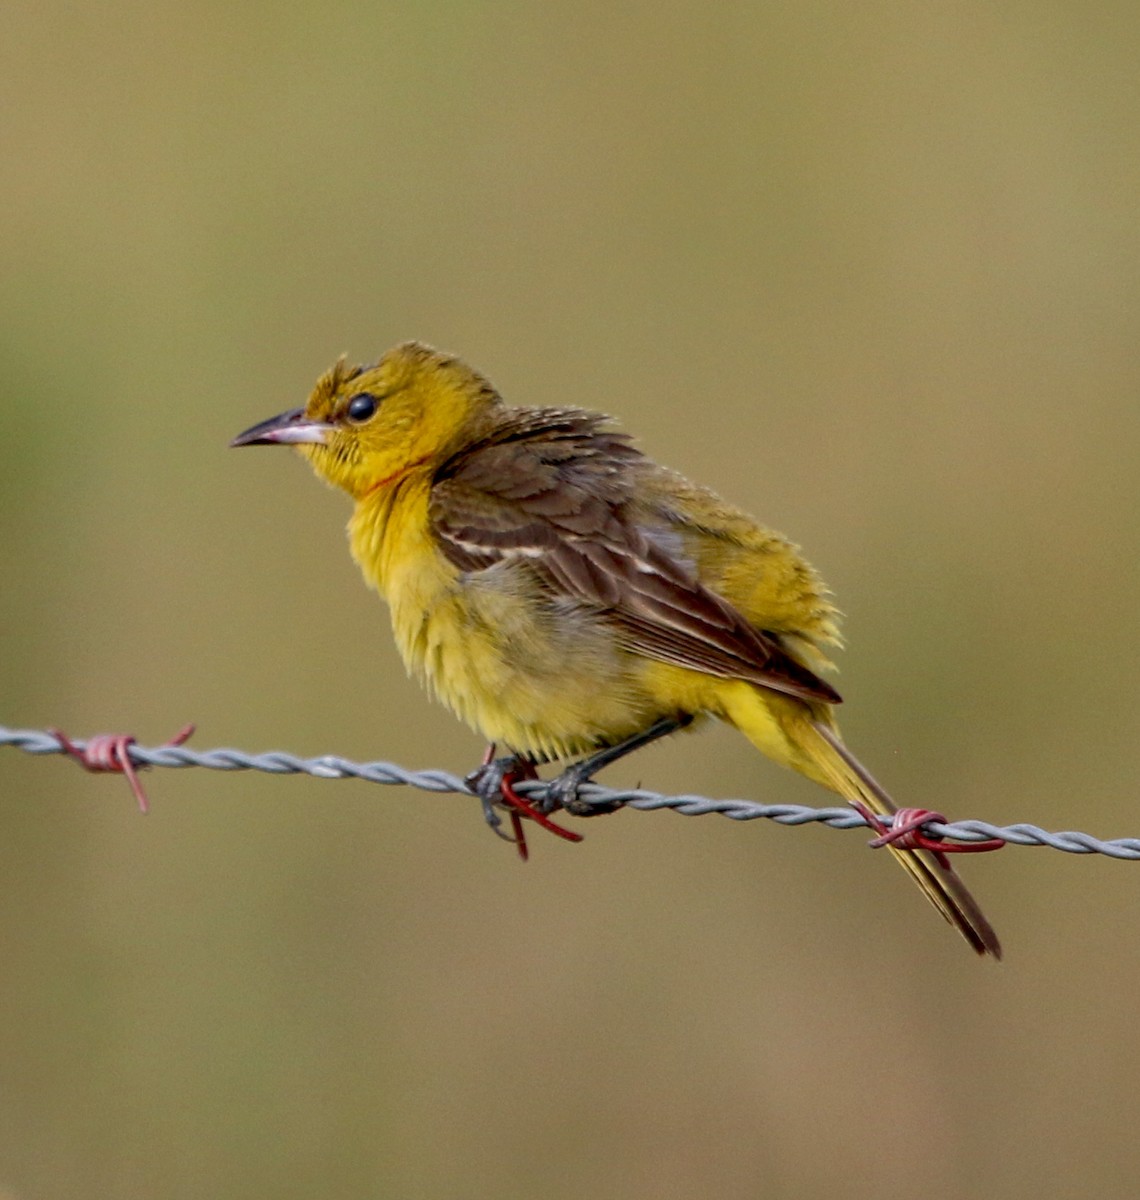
544 681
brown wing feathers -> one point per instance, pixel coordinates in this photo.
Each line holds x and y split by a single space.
550 487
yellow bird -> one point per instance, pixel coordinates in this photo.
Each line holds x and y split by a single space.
567 596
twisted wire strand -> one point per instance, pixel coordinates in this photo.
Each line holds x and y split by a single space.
331 766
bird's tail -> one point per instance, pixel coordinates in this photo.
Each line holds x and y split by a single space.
800 735
845 774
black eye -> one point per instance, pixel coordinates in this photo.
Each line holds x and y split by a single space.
361 407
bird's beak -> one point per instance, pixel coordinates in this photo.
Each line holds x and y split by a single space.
290 428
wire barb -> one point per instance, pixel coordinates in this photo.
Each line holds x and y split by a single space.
494 783
328 766
907 830
112 752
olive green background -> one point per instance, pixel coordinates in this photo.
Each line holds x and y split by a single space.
871 270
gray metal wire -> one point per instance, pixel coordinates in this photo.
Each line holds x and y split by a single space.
330 766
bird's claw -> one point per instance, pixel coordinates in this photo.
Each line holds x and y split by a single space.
489 782
493 782
563 792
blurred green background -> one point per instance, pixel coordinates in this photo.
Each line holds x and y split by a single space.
872 271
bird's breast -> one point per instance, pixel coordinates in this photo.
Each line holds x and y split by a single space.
539 675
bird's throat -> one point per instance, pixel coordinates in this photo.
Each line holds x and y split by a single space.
390 480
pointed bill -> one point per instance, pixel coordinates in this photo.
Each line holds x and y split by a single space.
289 429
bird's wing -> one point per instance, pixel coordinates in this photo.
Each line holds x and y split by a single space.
551 488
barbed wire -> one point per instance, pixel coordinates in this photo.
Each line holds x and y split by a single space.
330 766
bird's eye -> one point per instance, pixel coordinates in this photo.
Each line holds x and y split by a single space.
361 407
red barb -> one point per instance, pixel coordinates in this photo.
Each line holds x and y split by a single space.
904 831
521 807
112 752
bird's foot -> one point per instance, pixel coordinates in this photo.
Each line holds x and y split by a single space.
494 783
562 792
491 780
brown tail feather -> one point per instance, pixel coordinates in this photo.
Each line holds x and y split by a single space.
941 885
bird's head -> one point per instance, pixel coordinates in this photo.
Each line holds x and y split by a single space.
366 426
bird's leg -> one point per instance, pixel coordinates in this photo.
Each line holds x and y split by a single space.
494 783
563 791
487 780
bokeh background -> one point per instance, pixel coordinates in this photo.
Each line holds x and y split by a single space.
871 270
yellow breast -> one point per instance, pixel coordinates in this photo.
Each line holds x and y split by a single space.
391 539
493 651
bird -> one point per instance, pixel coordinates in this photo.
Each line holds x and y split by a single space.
570 598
